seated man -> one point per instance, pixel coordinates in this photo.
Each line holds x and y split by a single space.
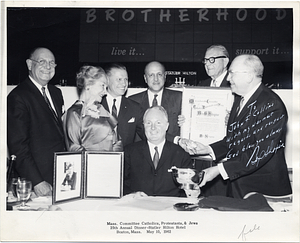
147 162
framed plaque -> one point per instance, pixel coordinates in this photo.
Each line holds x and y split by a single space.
206 111
87 175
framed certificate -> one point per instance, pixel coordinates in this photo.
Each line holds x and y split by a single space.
87 174
206 111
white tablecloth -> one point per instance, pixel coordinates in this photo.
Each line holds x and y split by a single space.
128 203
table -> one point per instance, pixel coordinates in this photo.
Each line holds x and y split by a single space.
127 203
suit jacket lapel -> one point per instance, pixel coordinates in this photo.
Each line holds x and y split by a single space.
225 83
41 101
145 101
123 107
165 99
55 101
147 154
164 155
39 97
254 97
104 103
233 113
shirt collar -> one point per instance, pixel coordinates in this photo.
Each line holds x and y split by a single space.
151 96
159 146
220 78
250 93
110 98
37 84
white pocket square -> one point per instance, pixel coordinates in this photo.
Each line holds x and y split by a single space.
131 120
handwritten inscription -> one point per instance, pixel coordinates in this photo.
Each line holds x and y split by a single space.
246 231
259 124
258 155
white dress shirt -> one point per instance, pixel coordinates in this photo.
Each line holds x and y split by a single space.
110 102
218 80
151 97
159 148
46 91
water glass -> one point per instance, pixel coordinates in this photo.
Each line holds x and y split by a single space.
24 191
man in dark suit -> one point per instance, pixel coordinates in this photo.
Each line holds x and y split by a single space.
156 94
34 125
147 162
251 156
215 63
128 112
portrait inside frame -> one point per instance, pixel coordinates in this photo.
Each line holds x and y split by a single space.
87 175
67 176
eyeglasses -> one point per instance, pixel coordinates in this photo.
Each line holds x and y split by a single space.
232 73
43 62
212 59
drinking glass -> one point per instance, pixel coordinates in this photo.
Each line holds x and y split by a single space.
24 191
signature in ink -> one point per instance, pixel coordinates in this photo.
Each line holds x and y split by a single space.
257 155
246 231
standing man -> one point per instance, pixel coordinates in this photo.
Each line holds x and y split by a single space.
147 162
157 94
34 125
251 156
128 113
215 62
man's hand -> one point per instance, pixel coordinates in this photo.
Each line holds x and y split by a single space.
181 120
43 189
201 149
188 145
210 174
193 147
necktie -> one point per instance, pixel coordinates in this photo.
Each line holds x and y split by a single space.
155 157
114 113
48 103
240 106
154 102
214 83
114 110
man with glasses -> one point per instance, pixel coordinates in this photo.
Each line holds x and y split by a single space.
34 125
251 157
157 94
215 62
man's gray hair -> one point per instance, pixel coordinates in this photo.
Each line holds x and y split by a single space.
255 63
221 48
160 108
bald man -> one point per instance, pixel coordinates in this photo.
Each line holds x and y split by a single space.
251 156
158 95
34 125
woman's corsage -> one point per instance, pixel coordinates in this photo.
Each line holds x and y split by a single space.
92 111
95 111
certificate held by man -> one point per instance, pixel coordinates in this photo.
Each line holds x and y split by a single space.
206 111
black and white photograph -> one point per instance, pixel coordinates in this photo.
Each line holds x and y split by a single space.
150 121
67 177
